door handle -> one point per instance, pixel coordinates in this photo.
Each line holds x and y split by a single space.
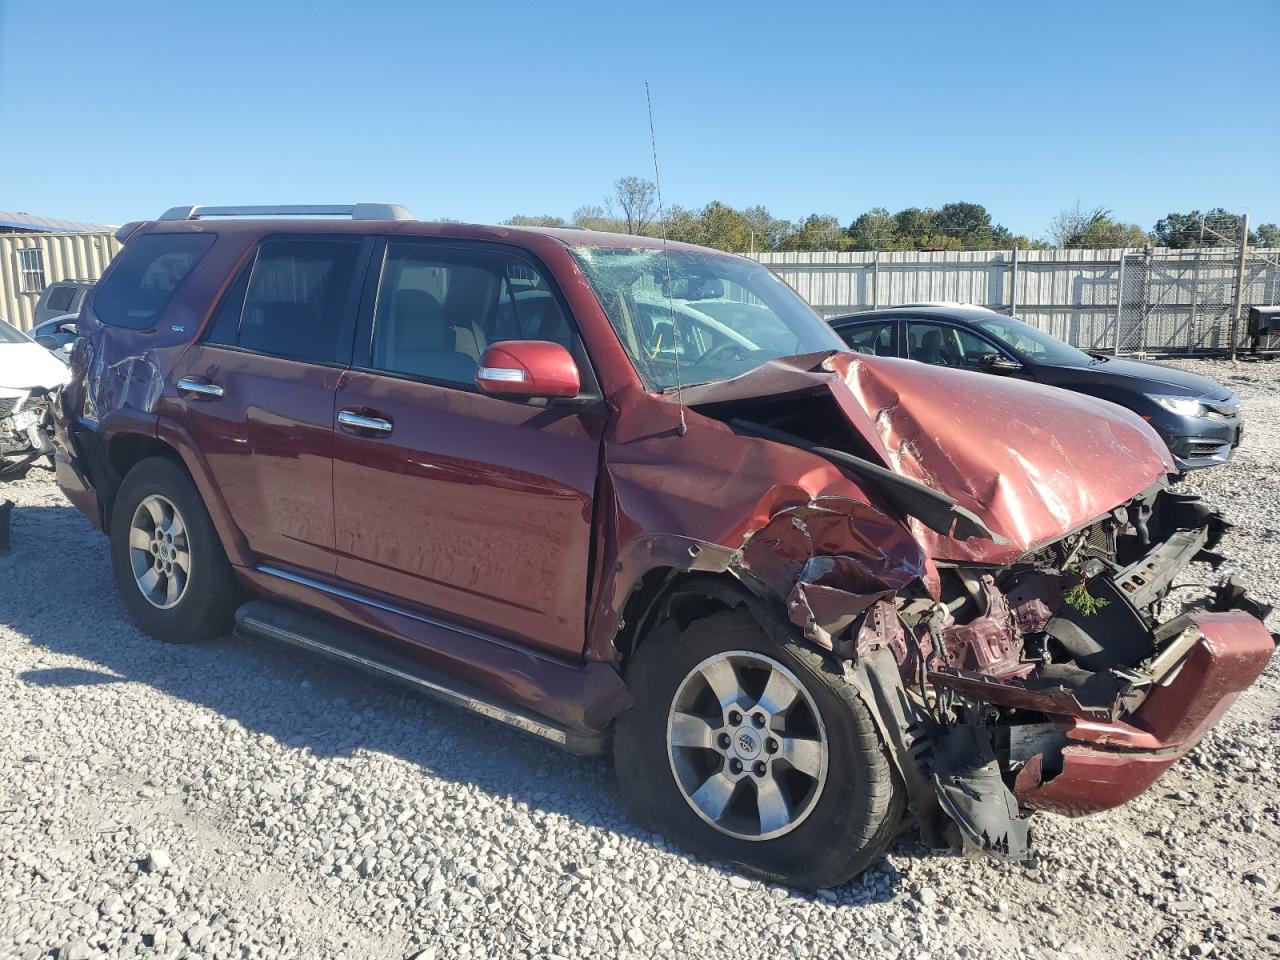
357 421
200 388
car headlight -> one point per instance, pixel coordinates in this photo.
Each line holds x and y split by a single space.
1182 406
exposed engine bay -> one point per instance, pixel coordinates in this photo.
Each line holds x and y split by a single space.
1013 665
26 429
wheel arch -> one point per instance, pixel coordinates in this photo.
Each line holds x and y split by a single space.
125 449
686 595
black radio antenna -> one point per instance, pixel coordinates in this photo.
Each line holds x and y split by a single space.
666 259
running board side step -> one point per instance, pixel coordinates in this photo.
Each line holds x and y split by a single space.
260 619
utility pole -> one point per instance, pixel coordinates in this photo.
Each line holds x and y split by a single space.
1239 297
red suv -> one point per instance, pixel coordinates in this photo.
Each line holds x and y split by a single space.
611 490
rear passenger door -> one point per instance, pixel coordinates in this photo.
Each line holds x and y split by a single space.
258 392
447 499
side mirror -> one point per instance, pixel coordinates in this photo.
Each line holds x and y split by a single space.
49 343
997 361
528 368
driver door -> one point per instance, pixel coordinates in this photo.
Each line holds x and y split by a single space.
950 345
454 501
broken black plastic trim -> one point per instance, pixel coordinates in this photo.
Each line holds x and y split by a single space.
937 511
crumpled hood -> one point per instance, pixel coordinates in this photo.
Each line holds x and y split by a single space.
24 366
1033 462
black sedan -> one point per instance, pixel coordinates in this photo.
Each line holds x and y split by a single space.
1198 419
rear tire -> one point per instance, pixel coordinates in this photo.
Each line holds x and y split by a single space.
169 565
843 811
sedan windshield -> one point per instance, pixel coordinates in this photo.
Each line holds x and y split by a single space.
718 316
1035 345
10 334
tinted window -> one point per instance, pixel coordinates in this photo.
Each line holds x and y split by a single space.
1034 343
872 338
225 326
947 346
300 300
145 276
438 310
60 299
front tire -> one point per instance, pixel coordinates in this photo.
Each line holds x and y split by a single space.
754 750
169 565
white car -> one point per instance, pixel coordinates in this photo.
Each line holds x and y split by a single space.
30 377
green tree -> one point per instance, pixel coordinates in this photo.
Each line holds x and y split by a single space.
683 225
1267 235
767 231
968 222
638 200
816 232
1216 228
873 230
725 228
913 228
592 216
1076 227
542 220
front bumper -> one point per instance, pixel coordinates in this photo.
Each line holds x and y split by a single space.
1104 764
1199 442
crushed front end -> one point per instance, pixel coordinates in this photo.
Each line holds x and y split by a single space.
1060 682
25 428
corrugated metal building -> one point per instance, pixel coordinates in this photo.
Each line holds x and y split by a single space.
29 262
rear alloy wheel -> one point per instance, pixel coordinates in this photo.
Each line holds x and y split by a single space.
750 747
170 568
159 552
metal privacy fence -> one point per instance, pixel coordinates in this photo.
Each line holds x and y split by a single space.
1155 301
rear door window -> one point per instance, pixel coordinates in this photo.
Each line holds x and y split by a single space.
60 299
871 338
145 276
300 301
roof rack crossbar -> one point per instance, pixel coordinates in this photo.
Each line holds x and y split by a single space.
356 211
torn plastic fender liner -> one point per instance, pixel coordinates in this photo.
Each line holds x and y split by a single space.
827 561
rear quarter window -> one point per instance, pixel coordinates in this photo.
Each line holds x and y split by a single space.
148 271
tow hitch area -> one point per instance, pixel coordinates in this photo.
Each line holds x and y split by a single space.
1055 683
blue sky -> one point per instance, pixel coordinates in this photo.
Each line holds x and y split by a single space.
478 110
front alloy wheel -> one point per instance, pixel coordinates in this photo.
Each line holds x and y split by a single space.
747 745
750 747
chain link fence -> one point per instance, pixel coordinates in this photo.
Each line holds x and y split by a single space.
1174 302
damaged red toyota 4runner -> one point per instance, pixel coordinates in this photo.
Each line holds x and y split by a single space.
618 492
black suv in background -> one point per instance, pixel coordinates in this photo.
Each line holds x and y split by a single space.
1198 419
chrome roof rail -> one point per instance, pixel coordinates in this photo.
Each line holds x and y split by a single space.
356 211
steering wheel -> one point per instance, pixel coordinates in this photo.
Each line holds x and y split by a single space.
728 347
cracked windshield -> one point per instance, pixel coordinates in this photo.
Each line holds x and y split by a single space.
718 316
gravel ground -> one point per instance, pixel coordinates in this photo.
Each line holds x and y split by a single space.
231 800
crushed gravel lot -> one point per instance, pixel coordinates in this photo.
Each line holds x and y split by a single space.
235 800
